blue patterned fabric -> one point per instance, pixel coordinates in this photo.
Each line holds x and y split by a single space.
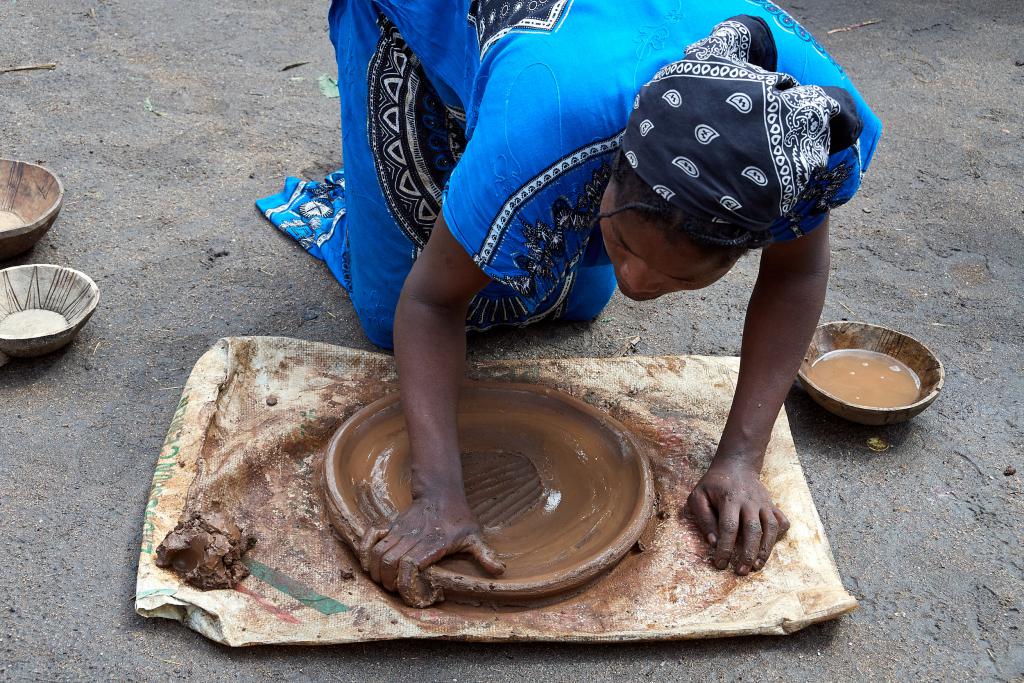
310 212
506 117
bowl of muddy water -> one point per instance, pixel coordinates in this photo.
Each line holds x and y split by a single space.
42 308
870 374
561 490
30 199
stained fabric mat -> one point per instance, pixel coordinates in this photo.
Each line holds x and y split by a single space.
246 437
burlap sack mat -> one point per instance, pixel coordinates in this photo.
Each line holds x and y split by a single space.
230 447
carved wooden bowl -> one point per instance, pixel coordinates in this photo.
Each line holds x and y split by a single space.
856 335
42 308
30 200
562 490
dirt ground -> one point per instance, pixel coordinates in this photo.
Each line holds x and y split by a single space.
159 211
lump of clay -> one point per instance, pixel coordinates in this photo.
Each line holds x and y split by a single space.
206 550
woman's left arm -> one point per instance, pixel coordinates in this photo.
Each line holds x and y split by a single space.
733 509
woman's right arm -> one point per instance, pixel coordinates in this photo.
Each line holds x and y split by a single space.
430 350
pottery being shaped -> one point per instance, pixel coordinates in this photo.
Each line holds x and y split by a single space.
834 336
42 308
30 200
561 490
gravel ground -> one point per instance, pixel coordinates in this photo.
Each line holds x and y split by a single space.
159 211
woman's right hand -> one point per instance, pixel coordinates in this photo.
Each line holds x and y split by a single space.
427 531
430 354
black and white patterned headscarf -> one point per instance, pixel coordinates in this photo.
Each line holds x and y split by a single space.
724 137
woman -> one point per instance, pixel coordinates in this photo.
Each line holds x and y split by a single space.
510 162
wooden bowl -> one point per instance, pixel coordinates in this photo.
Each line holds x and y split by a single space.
855 335
30 199
561 490
42 308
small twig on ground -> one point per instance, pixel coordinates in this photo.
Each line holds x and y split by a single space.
940 324
97 347
848 309
293 65
970 460
50 66
169 388
853 27
628 347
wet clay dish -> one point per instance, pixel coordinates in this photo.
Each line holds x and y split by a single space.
30 199
561 490
42 308
911 353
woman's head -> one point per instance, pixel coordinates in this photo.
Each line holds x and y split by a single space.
719 149
654 246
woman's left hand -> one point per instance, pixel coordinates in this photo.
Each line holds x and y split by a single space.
736 516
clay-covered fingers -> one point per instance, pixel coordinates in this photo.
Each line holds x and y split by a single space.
390 561
410 585
750 544
377 554
700 507
769 534
483 554
728 529
409 582
370 538
783 521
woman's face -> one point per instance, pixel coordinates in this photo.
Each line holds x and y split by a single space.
648 262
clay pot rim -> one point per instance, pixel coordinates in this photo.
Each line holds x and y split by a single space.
73 325
453 582
46 215
921 403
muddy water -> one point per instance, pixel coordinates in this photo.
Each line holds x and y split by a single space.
9 220
560 489
32 323
866 378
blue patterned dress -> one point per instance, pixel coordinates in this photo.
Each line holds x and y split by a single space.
505 115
